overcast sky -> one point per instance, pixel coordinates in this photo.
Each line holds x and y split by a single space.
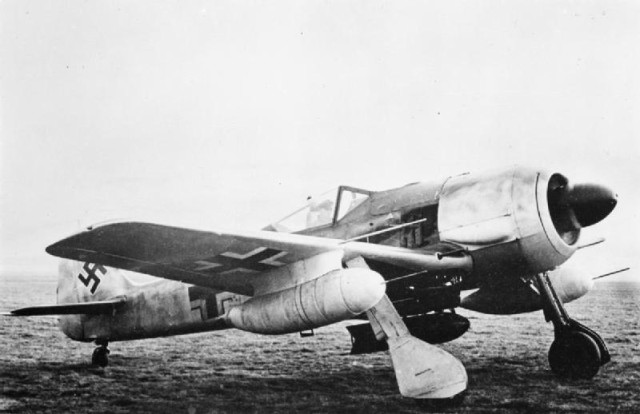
228 114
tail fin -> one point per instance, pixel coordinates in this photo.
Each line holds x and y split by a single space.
89 282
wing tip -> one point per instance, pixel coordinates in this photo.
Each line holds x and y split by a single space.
52 249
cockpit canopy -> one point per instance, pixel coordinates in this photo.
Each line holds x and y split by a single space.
322 210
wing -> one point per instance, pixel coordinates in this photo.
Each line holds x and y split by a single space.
231 261
105 307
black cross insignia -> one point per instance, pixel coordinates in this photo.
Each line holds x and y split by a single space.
258 260
91 275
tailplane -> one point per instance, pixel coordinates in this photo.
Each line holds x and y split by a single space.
83 289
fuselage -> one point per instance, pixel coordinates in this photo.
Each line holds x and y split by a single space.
511 223
155 309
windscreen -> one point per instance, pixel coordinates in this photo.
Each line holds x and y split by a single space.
320 210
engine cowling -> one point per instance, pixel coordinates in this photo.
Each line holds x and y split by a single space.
518 221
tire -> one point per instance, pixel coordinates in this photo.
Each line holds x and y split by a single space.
575 356
559 358
100 357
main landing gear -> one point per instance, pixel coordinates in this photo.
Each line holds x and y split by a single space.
101 353
577 351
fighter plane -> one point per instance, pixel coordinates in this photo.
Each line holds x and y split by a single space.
396 260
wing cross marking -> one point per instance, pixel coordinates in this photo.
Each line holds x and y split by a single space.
257 260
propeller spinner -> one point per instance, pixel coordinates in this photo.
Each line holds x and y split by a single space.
576 206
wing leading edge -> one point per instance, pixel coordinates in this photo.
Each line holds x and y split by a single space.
230 261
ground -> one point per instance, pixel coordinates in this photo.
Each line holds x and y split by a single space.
231 371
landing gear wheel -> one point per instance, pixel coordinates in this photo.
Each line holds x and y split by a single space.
575 355
577 352
100 356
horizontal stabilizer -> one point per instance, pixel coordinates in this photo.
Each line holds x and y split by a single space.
105 307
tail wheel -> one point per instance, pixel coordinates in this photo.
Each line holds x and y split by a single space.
100 356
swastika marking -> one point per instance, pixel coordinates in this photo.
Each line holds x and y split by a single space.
91 275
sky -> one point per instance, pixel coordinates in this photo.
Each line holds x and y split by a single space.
227 114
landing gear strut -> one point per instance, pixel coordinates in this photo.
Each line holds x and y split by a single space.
101 354
577 351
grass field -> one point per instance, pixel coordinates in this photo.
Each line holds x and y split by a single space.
231 371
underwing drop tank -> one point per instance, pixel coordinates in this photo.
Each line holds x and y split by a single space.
333 297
